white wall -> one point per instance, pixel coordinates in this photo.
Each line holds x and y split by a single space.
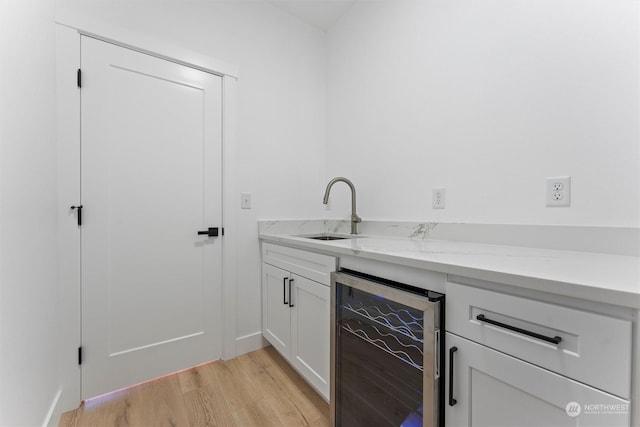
281 107
486 98
28 263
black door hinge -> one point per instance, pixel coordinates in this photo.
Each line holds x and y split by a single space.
79 77
79 355
79 208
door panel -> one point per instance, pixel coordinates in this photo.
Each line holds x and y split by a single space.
151 178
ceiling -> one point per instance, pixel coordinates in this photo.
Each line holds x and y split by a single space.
319 13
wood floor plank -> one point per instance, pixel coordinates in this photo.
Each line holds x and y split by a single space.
195 378
291 384
269 415
159 403
260 378
286 411
239 389
207 406
109 410
69 419
255 389
320 422
245 417
256 414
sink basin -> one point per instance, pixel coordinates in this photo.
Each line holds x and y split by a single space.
327 237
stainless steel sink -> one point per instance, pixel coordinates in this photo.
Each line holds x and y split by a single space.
328 237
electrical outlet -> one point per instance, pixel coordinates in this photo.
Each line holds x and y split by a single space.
438 198
559 191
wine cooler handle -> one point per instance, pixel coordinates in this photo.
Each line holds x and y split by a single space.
436 352
452 401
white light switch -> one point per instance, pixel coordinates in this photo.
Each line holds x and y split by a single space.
245 200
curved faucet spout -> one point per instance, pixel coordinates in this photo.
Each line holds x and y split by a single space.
355 219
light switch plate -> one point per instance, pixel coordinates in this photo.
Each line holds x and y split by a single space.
245 200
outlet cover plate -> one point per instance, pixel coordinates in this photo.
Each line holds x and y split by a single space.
438 198
558 191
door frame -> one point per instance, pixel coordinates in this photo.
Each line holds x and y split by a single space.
68 122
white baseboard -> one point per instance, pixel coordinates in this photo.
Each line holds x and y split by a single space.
245 344
249 343
53 415
65 400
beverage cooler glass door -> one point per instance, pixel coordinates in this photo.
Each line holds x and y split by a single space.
385 356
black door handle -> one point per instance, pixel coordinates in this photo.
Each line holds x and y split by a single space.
452 401
284 291
211 232
290 296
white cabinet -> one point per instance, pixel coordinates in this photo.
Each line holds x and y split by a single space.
594 349
310 332
276 313
493 389
518 361
296 309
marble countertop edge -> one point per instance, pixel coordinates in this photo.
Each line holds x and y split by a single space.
611 279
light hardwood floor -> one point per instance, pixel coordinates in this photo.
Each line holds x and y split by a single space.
255 389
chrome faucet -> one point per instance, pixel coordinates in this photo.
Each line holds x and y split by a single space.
355 219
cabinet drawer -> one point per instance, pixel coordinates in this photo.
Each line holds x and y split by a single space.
594 349
311 265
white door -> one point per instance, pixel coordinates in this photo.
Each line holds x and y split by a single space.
151 179
492 389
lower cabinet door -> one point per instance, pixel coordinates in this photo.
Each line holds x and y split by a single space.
310 332
276 313
493 389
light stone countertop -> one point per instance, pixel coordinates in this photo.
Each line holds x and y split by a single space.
606 278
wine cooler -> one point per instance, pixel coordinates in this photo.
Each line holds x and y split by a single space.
387 353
